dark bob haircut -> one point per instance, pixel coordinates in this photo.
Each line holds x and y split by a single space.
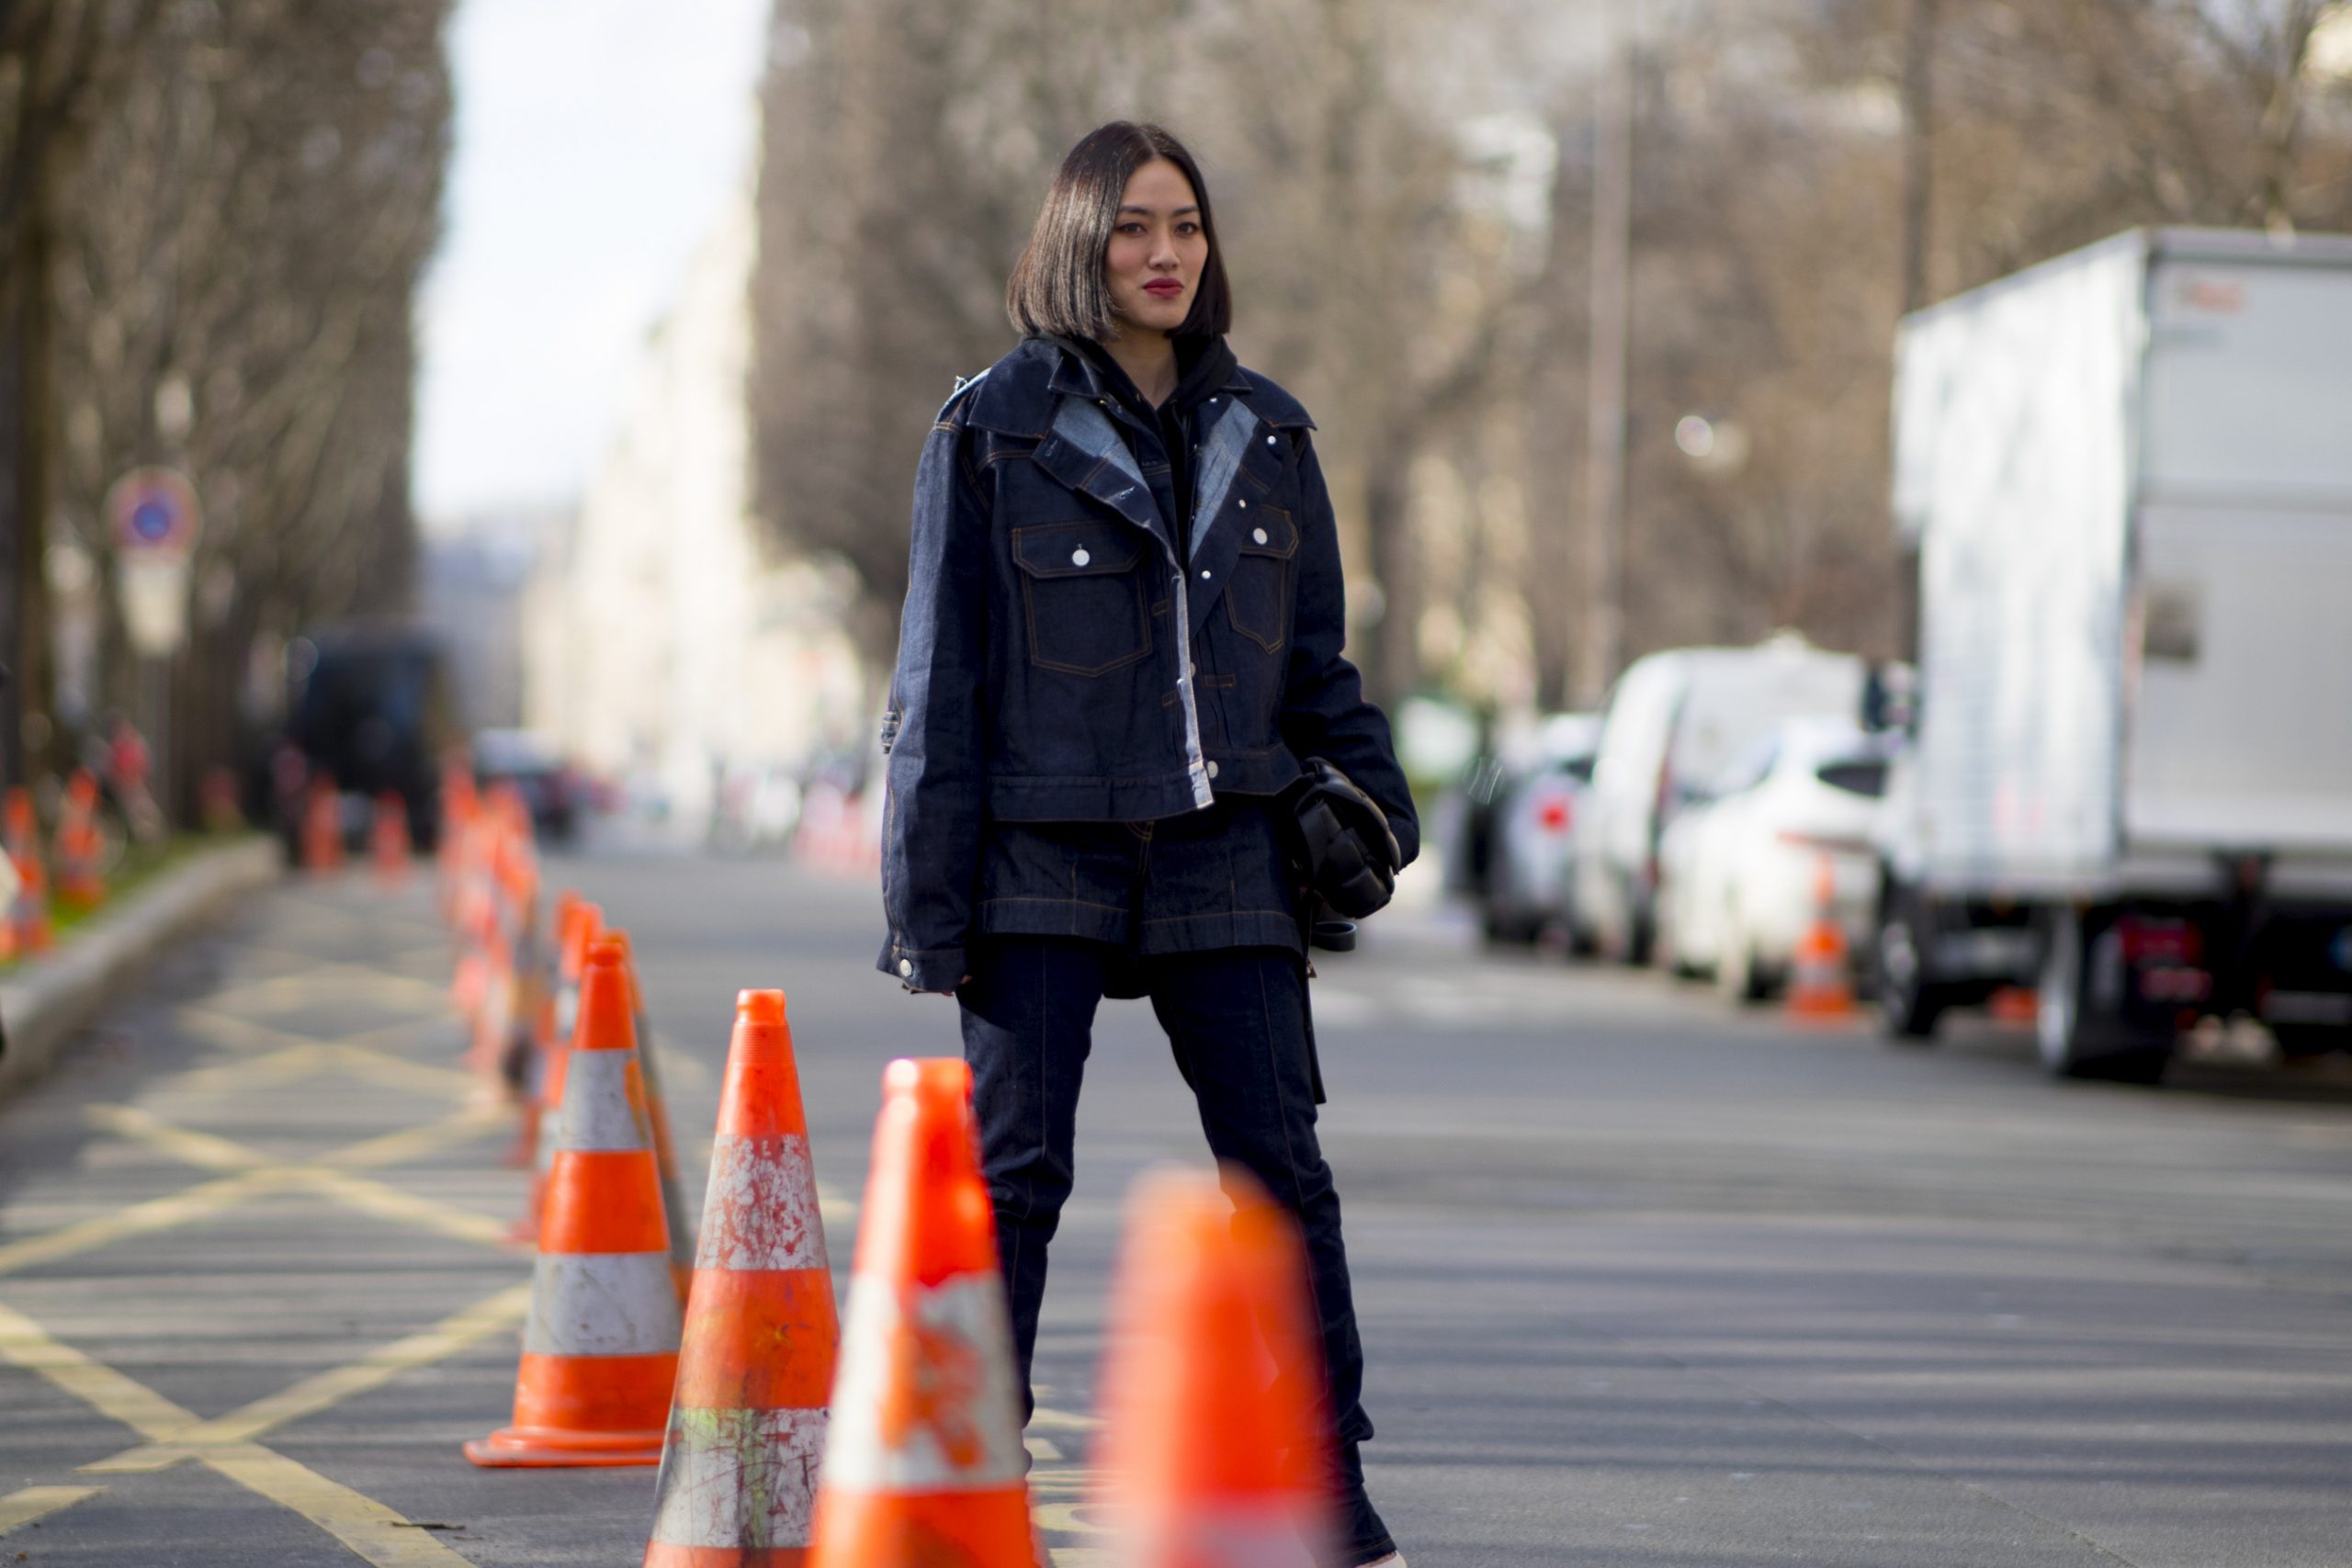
1057 286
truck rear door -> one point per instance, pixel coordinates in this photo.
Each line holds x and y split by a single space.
2240 716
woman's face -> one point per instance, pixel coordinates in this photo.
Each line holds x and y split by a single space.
1158 248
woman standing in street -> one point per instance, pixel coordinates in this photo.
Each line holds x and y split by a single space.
1121 647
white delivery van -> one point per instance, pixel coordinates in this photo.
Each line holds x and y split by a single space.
1674 721
2128 475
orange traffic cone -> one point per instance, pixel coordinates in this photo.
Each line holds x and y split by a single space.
665 1148
29 916
1821 982
79 884
747 1426
388 839
322 828
924 1462
601 1349
1207 1461
587 927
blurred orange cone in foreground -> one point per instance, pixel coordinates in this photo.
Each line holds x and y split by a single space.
28 918
1212 1454
79 883
924 1462
746 1424
600 1351
1821 982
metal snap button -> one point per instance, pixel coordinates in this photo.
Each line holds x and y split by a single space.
1245 506
1205 573
1269 441
906 966
1080 557
1212 768
1258 535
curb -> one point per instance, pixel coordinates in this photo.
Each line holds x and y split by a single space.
59 996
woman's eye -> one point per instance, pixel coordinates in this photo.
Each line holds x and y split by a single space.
1130 228
1188 228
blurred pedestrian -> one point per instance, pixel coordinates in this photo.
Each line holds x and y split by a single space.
1122 644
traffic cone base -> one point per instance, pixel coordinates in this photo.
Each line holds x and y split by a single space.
748 1426
600 1350
738 1488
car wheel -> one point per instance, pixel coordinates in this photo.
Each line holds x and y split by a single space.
2080 1027
1738 975
1910 1006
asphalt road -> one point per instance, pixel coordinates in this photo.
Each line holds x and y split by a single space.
1643 1281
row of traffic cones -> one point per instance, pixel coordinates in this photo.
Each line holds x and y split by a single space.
782 1440
78 852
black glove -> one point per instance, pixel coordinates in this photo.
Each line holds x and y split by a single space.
1348 854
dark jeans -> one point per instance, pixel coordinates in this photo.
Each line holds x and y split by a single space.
1238 1020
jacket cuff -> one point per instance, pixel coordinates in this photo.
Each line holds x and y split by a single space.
923 968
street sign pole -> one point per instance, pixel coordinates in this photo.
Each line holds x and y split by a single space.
155 523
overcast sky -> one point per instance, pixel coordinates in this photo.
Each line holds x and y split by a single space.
596 141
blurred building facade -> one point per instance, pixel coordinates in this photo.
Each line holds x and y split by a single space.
470 593
661 646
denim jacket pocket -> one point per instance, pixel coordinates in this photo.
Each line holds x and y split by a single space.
1082 595
1257 600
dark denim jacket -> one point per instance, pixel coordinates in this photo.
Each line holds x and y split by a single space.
1057 662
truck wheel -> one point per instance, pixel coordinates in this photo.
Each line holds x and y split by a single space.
1909 1004
2302 1042
2079 1025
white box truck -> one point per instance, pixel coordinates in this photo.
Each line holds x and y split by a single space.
2127 474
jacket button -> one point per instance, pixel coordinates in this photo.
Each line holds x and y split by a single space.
1080 557
1245 506
1258 535
1269 441
1192 667
906 966
1205 575
1211 767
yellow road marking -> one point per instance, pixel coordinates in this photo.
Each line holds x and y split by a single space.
236 1033
391 1203
279 1066
392 1148
397 1033
39 1502
93 1383
344 978
203 1149
357 1191
398 1072
325 1389
156 1214
365 1526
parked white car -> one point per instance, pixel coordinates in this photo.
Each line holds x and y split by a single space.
1676 720
1530 860
1742 868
